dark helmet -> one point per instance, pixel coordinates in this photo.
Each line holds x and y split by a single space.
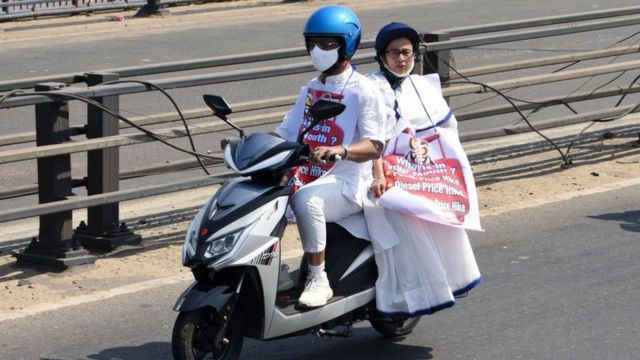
394 31
335 21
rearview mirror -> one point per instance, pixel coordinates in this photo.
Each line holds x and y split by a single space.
221 109
322 110
325 109
218 105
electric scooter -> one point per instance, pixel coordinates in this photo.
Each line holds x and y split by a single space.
233 248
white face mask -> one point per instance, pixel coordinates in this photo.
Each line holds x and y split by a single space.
400 76
323 59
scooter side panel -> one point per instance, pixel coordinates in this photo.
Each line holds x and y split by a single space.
282 324
262 250
236 198
266 259
196 298
268 272
259 225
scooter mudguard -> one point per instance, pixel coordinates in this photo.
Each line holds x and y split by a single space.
196 297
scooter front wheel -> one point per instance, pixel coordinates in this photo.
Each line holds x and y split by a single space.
194 333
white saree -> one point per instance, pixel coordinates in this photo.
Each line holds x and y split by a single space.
421 247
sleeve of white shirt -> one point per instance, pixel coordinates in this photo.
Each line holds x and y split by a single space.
452 123
434 81
390 118
386 100
289 127
371 122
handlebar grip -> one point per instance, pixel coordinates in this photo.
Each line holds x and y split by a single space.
302 155
335 158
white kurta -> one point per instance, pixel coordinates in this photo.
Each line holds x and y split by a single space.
361 120
422 265
320 201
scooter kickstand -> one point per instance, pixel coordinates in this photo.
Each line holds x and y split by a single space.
345 333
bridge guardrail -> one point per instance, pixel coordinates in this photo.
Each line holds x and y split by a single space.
18 9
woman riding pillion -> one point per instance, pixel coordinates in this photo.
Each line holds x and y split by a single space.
423 265
329 192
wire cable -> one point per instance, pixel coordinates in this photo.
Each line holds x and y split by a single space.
184 121
555 71
627 91
565 156
567 161
59 94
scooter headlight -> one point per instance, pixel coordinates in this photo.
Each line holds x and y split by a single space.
222 244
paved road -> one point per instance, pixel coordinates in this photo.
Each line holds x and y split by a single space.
562 281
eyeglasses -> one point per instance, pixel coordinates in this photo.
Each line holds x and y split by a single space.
395 53
323 44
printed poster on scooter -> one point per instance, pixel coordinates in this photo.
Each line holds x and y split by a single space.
326 133
428 175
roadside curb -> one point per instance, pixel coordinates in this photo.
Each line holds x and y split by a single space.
97 296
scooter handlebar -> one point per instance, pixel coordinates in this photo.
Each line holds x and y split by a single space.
304 154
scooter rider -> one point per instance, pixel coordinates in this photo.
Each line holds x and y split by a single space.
422 265
332 35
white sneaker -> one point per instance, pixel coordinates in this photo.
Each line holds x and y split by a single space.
284 279
317 291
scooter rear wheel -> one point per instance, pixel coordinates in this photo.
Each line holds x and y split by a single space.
394 328
194 333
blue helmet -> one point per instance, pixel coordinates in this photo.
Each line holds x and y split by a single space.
394 31
335 21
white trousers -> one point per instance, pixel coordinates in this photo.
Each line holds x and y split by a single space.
317 203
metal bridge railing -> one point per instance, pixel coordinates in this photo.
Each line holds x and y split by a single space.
58 244
14 10
17 9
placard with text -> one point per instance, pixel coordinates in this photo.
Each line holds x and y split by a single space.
428 175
